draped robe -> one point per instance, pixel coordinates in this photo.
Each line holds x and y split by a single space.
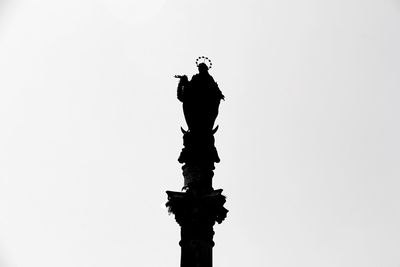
201 98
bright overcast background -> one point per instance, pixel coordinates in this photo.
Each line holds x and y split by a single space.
309 132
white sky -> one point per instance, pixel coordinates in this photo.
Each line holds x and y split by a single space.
309 132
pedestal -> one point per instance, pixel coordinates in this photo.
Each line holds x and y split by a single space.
199 207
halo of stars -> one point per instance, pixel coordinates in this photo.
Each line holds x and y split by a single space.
203 59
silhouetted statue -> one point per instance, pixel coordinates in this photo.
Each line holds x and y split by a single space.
199 207
200 97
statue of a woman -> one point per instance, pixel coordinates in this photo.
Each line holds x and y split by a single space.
200 97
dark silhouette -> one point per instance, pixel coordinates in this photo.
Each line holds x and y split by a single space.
198 208
200 97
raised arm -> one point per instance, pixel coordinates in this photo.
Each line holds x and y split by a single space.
183 81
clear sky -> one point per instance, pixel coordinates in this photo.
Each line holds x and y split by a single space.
309 132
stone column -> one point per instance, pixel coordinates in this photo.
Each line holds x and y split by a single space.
199 206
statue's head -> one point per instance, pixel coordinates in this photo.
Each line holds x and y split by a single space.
203 68
203 64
